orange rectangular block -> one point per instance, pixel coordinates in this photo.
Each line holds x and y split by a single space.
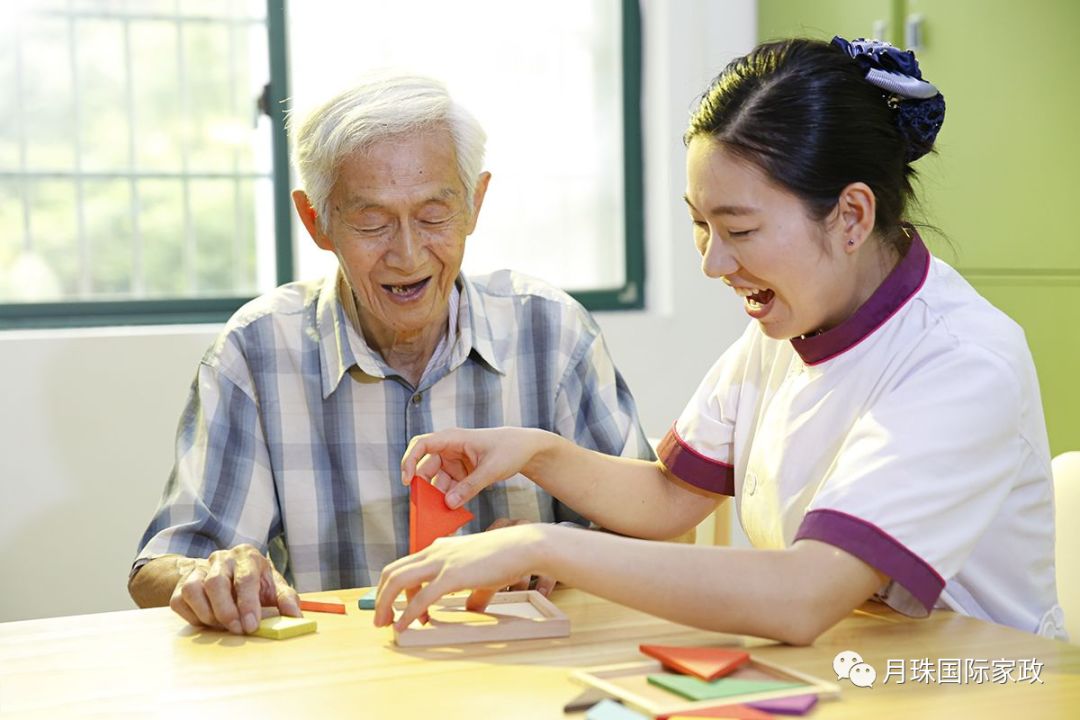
706 663
322 606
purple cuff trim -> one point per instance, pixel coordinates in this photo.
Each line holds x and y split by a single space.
692 467
876 548
903 282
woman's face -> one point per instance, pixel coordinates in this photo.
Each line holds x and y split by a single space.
789 269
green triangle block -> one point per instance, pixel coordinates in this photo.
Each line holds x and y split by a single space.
697 689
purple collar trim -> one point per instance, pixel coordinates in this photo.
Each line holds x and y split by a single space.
903 282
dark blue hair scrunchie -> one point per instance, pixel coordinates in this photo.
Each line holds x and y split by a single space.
920 107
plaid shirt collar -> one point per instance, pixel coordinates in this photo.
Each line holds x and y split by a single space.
341 347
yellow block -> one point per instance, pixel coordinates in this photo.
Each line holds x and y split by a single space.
282 627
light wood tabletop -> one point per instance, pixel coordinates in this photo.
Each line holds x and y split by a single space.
149 663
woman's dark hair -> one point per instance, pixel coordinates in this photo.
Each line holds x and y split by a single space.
802 111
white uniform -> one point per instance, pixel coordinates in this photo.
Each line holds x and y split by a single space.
911 436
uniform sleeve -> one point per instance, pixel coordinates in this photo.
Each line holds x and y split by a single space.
699 447
220 493
922 474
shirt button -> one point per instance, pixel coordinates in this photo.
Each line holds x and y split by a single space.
751 483
417 398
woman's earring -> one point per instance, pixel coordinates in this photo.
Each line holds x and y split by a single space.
850 242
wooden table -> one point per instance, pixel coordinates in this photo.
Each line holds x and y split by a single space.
142 663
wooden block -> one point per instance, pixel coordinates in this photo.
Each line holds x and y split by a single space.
736 712
797 705
629 682
367 600
697 689
429 517
707 663
585 700
612 710
282 627
517 615
323 606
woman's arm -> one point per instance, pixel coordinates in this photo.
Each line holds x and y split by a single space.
791 595
627 496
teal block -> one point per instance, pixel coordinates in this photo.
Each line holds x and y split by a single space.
367 600
611 710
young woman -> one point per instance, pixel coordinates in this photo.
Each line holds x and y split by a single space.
878 423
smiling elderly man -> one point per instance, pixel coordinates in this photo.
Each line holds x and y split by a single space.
290 444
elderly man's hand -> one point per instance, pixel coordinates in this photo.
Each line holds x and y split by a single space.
230 588
543 584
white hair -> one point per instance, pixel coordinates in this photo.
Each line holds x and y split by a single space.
380 106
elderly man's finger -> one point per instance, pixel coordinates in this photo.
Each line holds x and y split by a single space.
286 598
247 583
193 595
219 591
181 608
442 481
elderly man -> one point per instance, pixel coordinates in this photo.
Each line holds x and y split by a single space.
287 455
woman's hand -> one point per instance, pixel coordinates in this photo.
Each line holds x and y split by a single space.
461 463
484 563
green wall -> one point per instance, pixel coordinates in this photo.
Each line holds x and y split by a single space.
1008 165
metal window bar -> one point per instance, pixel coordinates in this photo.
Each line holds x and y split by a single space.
20 123
188 255
238 268
138 271
81 240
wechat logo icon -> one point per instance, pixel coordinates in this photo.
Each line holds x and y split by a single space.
849 665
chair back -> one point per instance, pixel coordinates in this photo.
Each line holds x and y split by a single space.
1066 468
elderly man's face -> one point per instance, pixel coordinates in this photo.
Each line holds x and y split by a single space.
398 222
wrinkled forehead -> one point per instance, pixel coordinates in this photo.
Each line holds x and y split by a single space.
410 168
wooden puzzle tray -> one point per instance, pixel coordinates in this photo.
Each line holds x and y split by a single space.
629 682
515 615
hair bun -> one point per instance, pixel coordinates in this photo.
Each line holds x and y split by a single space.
920 121
920 107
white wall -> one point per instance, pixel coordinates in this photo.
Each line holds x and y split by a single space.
88 416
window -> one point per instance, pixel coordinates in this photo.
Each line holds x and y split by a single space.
556 85
136 175
139 184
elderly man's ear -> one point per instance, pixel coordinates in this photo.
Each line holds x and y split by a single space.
478 199
309 217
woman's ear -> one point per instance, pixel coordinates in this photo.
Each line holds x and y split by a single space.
856 211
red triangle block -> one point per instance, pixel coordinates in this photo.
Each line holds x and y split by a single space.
703 662
429 517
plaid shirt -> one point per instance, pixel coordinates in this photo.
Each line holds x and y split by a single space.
294 428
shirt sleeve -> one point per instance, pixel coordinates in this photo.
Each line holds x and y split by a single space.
595 409
220 493
922 474
699 447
